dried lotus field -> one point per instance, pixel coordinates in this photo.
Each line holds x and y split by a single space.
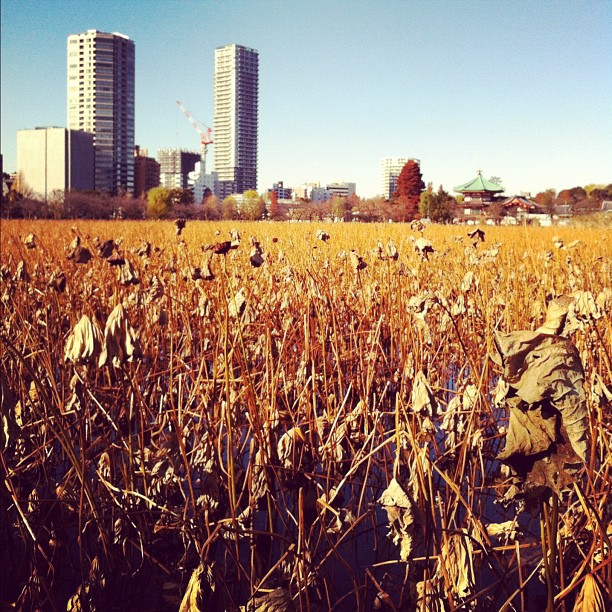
304 417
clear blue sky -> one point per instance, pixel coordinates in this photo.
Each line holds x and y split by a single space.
521 89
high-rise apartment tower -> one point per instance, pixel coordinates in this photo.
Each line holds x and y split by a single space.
236 92
390 168
101 101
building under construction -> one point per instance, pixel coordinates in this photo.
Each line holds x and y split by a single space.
175 166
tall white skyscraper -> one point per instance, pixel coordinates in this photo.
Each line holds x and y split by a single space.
236 93
101 101
390 168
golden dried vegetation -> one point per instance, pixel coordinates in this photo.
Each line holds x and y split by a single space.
291 417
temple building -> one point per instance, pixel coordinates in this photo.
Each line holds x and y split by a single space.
519 206
478 194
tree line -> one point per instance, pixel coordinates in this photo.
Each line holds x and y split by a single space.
411 199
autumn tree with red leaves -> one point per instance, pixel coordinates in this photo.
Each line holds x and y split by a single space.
410 185
546 200
273 212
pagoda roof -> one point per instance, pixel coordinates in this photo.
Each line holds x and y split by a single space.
479 184
519 201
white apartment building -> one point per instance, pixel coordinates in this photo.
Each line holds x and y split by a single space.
325 194
390 168
202 184
54 158
304 191
101 101
236 92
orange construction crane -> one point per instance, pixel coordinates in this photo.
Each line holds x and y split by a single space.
204 131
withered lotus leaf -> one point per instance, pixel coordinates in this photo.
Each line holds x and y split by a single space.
403 515
489 255
80 255
378 251
529 433
259 482
288 447
556 314
423 247
127 275
8 422
84 342
219 248
236 304
144 250
105 250
601 395
121 343
156 290
392 252
585 306
422 397
58 282
590 598
205 271
195 596
508 530
21 273
477 235
458 558
416 226
467 281
256 257
277 600
429 596
235 236
544 369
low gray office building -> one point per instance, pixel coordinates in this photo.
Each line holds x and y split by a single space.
55 158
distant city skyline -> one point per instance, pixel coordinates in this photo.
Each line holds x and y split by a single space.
520 90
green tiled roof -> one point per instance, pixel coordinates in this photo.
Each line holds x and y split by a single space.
479 184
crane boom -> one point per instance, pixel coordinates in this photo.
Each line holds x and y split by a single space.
204 131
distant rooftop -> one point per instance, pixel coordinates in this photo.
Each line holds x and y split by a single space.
479 184
93 32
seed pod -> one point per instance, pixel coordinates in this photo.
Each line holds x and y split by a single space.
357 261
180 226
